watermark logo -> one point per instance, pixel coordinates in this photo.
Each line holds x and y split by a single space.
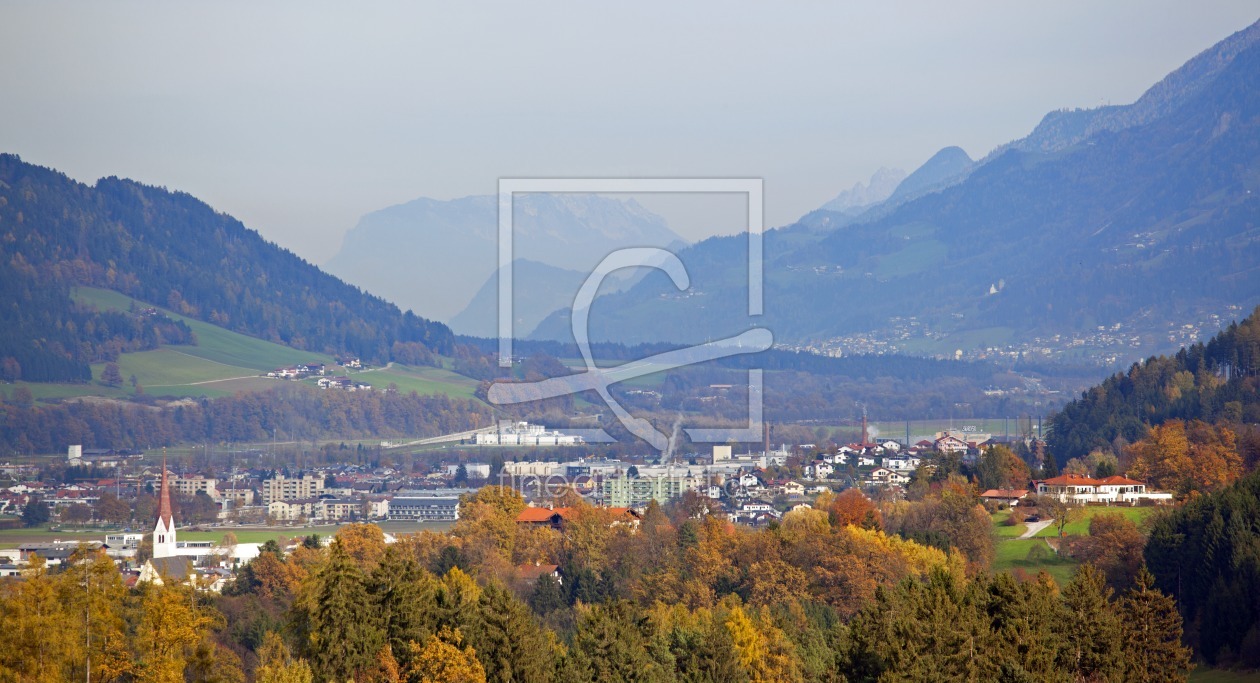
600 379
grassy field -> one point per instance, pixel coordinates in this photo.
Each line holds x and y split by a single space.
1081 526
1012 553
1032 555
422 380
1002 530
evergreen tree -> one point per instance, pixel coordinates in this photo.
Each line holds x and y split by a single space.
509 644
345 628
1153 652
35 512
402 593
1091 632
1022 617
547 596
609 647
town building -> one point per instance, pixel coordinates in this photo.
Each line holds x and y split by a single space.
424 509
525 434
287 488
191 486
639 491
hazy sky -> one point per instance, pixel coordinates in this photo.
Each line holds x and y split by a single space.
299 117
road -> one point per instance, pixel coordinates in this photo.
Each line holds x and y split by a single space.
1034 527
447 438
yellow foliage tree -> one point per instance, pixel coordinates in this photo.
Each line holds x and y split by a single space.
92 592
442 660
763 651
35 644
920 559
1184 457
363 542
277 665
168 625
775 581
797 524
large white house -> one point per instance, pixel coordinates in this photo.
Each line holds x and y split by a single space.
1109 490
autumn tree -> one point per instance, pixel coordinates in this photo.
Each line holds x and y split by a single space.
1186 456
168 626
487 525
852 506
277 665
761 649
364 543
1000 468
1063 511
442 660
34 643
111 375
955 519
1114 545
91 590
109 508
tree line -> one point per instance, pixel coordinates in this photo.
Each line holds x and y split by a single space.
243 417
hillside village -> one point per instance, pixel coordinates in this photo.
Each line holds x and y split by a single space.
318 372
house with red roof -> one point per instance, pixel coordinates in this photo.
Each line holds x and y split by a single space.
1106 491
556 517
1009 496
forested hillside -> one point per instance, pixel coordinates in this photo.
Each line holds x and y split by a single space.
46 337
170 249
1214 382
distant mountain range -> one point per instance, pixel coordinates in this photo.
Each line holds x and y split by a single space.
435 257
1147 211
865 195
539 289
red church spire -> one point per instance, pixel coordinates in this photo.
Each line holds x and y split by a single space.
164 506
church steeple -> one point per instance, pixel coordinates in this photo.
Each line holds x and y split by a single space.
164 506
164 530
